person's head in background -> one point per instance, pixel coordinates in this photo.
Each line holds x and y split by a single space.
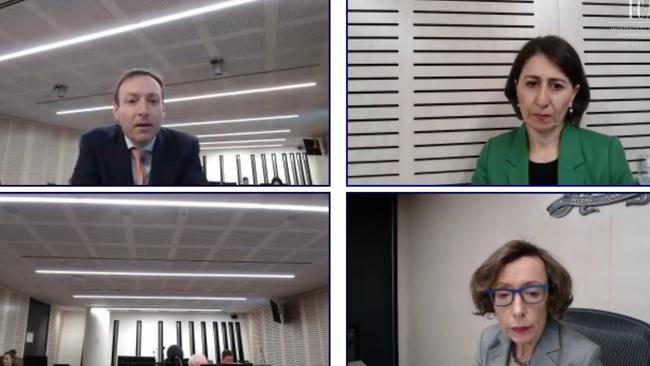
197 360
547 85
138 105
276 181
543 291
244 181
227 357
9 358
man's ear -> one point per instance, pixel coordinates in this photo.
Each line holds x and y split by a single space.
115 108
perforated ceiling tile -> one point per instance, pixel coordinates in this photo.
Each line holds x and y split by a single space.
145 9
249 44
199 216
269 255
307 255
57 233
311 221
200 237
236 19
22 24
291 10
192 253
176 284
172 33
105 234
320 244
110 251
264 218
95 16
41 213
302 34
239 238
152 252
231 254
15 232
70 250
31 82
155 215
105 214
291 240
153 236
187 55
111 47
24 249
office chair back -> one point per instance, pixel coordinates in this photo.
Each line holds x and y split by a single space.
623 340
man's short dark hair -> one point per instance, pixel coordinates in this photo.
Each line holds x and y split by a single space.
562 54
137 72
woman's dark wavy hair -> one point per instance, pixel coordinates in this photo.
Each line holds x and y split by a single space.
559 280
562 54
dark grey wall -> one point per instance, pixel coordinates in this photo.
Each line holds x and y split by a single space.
38 321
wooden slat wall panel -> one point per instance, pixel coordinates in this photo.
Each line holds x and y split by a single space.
442 96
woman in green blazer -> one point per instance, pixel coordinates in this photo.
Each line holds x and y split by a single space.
548 90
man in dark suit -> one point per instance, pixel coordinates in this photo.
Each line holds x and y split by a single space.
138 151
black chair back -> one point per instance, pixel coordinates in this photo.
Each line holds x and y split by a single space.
623 340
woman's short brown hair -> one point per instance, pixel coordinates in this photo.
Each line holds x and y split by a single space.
559 280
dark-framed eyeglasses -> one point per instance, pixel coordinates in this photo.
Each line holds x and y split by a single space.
533 294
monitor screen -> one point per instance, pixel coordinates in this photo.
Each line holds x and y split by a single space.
135 361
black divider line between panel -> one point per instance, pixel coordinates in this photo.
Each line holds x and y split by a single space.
204 340
616 39
217 347
373 120
373 37
373 65
374 24
464 130
373 11
454 77
240 347
444 171
614 51
458 103
616 63
632 136
373 175
617 124
373 78
637 148
450 144
160 341
458 90
619 87
616 112
192 344
618 76
618 100
373 161
373 51
607 4
373 133
528 26
474 38
233 348
447 158
466 51
357 92
605 16
352 106
465 117
463 64
471 12
374 147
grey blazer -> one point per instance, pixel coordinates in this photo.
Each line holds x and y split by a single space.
559 346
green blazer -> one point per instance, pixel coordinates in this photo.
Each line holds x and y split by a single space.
586 158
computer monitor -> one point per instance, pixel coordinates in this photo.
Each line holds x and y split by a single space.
135 361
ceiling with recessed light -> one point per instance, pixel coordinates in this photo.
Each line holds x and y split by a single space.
265 43
164 239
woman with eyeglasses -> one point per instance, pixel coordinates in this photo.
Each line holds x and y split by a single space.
529 291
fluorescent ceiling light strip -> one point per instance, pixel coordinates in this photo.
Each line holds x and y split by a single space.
244 133
159 203
167 310
125 297
239 147
253 119
165 274
202 96
124 29
240 141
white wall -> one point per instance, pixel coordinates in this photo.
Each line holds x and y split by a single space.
14 308
36 153
97 340
318 164
127 332
72 337
442 239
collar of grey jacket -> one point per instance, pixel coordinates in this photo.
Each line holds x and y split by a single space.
546 352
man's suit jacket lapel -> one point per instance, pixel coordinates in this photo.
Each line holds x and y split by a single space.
572 159
546 353
156 175
120 159
518 158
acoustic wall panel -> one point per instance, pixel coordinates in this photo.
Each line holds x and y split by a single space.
426 80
